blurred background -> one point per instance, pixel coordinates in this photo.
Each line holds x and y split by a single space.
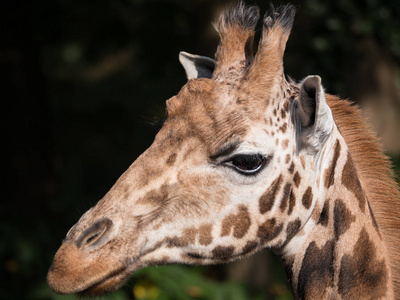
85 82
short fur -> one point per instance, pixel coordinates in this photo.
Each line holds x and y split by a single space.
376 176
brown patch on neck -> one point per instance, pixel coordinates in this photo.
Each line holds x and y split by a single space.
375 174
316 273
350 181
324 217
362 275
330 172
342 218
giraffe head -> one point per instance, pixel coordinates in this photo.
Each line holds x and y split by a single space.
216 184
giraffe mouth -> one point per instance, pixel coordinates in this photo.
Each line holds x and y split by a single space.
110 282
106 284
93 280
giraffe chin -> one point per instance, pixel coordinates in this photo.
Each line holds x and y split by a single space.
90 287
106 285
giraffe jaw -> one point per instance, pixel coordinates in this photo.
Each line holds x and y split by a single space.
107 284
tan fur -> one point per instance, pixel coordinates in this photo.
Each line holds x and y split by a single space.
376 176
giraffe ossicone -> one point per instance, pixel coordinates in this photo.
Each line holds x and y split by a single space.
247 160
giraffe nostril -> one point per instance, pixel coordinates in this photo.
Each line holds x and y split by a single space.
95 234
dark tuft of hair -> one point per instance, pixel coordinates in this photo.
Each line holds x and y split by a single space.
240 15
283 16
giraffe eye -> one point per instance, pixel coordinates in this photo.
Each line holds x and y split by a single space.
246 164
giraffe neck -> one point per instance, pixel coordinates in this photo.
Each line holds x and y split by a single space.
339 252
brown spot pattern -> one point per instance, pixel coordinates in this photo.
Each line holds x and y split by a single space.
316 273
286 192
287 158
267 200
350 180
240 223
307 198
222 253
285 144
205 237
296 179
283 128
362 275
324 217
330 172
342 218
171 159
156 196
291 230
291 168
283 113
189 235
269 230
292 202
303 161
250 246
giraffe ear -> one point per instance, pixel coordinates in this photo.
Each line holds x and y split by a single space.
197 66
311 115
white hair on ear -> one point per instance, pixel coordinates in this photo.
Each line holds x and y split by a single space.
196 66
311 116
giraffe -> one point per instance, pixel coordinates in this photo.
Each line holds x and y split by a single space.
248 160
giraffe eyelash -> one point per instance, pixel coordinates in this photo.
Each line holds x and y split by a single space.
247 164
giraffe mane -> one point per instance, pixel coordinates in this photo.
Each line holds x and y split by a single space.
376 176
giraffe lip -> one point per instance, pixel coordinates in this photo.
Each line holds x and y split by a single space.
106 284
111 281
